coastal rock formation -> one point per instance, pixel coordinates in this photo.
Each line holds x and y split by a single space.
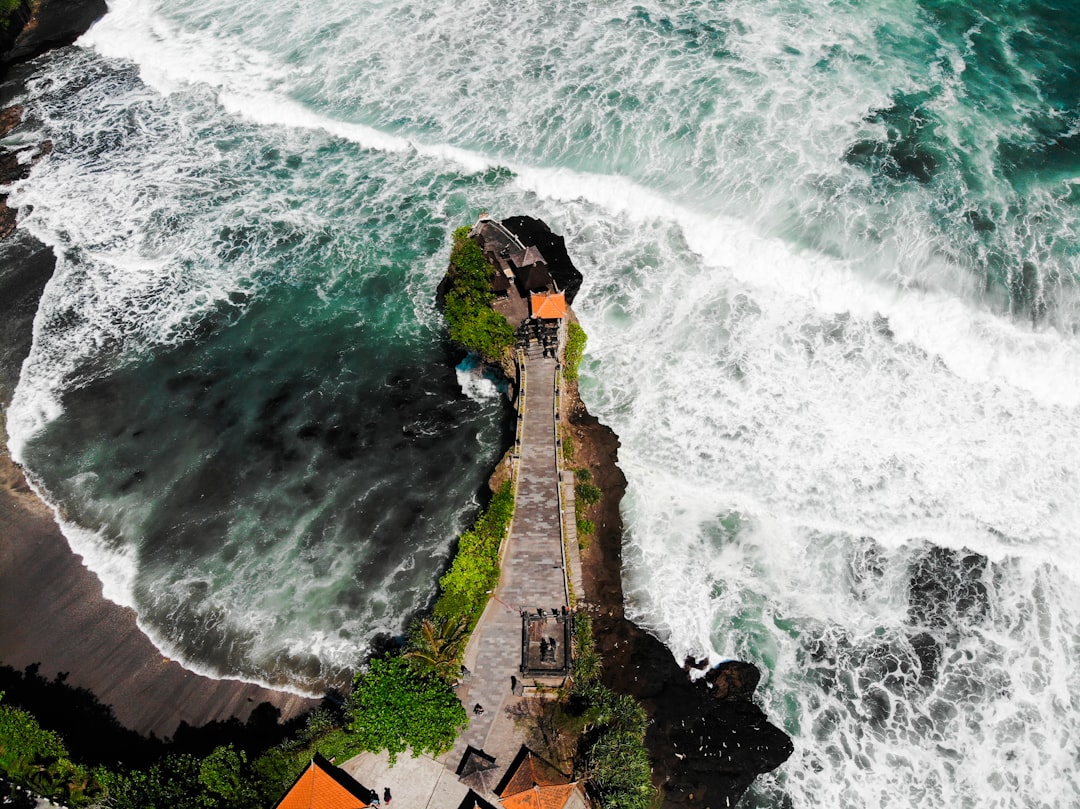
535 233
707 739
38 26
733 679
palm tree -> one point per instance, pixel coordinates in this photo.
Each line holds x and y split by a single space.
437 644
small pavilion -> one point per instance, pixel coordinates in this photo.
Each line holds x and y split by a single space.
547 305
533 783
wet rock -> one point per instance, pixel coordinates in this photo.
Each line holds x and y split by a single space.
733 679
704 750
47 24
10 117
695 664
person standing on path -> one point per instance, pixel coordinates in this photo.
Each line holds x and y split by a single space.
386 796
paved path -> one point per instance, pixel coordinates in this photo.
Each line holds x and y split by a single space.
531 575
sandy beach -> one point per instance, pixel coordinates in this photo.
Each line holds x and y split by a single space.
52 611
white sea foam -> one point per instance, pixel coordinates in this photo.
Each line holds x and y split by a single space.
475 383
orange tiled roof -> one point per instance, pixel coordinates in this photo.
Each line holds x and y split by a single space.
531 771
548 306
548 797
317 788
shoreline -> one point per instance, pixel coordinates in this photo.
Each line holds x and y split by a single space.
52 609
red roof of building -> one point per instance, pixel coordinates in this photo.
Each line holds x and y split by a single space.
532 783
548 306
550 797
324 786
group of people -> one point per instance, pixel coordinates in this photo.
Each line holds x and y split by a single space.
386 797
546 335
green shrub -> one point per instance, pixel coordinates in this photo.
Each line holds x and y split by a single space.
38 760
588 494
583 475
585 529
568 448
464 588
395 707
575 350
471 320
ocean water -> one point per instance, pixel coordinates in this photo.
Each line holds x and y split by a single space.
831 254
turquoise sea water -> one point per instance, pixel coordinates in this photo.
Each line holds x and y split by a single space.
831 259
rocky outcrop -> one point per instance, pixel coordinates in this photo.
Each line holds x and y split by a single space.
733 679
41 25
707 739
15 165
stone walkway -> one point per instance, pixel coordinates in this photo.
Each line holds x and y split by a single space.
532 575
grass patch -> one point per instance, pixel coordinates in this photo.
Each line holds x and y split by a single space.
586 495
568 448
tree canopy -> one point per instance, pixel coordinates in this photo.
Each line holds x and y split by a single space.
396 707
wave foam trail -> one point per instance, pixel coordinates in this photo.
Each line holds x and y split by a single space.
772 441
254 86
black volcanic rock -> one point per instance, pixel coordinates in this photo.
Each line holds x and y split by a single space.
534 232
39 27
705 749
733 679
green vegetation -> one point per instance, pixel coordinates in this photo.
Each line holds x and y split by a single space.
613 752
586 494
465 587
471 320
568 448
395 708
436 644
7 12
575 350
37 759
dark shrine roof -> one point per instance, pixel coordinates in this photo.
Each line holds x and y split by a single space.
534 232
